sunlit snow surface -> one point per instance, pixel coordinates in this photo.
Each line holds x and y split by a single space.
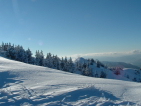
28 85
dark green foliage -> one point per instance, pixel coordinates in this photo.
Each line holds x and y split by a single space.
128 76
20 54
103 74
98 64
134 79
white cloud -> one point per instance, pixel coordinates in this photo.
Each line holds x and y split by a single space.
136 51
107 54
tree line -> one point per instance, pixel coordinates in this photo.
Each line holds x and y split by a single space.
18 53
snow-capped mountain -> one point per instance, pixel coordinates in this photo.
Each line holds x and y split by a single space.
22 84
80 60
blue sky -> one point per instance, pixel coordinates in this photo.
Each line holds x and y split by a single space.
68 27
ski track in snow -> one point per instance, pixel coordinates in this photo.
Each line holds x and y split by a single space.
28 85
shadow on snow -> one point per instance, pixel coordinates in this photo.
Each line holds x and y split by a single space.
86 96
5 78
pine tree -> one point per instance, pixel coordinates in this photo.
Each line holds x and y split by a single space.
65 64
62 64
49 60
20 54
29 56
37 56
2 46
134 79
56 59
70 65
11 53
41 62
102 75
98 64
96 74
92 61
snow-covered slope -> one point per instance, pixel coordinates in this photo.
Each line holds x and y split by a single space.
29 85
126 74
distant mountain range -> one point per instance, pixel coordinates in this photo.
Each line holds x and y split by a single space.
120 64
137 62
132 57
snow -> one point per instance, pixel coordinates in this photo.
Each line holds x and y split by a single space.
80 60
126 74
29 85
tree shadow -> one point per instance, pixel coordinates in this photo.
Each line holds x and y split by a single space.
6 77
85 97
90 96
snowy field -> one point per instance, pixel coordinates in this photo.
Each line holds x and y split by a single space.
28 85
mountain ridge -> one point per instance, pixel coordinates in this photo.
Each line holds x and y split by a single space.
120 64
